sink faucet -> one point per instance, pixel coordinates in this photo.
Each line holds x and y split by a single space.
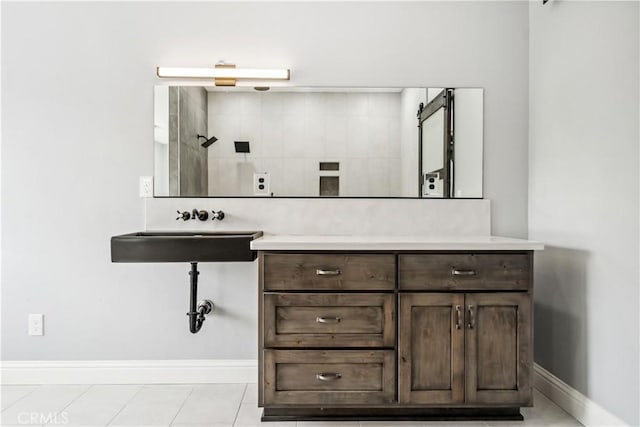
202 215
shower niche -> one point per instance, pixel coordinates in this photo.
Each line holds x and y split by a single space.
318 142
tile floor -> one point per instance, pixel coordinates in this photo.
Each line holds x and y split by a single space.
202 405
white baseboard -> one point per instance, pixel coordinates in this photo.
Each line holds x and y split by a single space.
579 406
129 372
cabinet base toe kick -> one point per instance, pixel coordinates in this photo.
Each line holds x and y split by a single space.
391 414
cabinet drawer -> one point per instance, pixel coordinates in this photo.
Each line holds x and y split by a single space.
328 272
329 320
464 271
329 377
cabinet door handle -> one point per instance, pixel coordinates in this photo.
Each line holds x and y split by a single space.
459 272
322 272
472 320
333 376
458 317
323 319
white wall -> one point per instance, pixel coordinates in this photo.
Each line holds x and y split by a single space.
291 132
583 196
83 74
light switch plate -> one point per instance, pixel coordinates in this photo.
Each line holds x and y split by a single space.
36 324
146 186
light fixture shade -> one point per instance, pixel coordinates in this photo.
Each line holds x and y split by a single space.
224 73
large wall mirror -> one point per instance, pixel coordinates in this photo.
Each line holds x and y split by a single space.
317 142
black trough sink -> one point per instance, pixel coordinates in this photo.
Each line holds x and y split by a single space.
221 246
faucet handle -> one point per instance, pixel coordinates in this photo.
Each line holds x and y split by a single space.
185 216
219 215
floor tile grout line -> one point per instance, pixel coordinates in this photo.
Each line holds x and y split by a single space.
22 397
246 386
141 386
79 396
244 392
76 398
72 400
193 388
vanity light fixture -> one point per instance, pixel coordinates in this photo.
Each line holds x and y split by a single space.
225 74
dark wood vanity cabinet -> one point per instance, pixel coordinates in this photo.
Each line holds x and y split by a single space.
406 335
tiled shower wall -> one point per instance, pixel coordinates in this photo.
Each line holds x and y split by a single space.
191 113
291 132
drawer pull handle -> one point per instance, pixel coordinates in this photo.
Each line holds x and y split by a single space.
458 317
322 319
472 320
328 376
321 272
457 272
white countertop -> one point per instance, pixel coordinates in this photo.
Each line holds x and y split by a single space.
283 242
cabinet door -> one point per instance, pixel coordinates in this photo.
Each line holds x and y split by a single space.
498 348
431 349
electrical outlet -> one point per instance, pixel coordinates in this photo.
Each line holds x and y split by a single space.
36 324
146 186
261 184
432 185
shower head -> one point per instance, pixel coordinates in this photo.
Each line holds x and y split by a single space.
208 141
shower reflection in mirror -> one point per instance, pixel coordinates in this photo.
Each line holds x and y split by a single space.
318 142
450 143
